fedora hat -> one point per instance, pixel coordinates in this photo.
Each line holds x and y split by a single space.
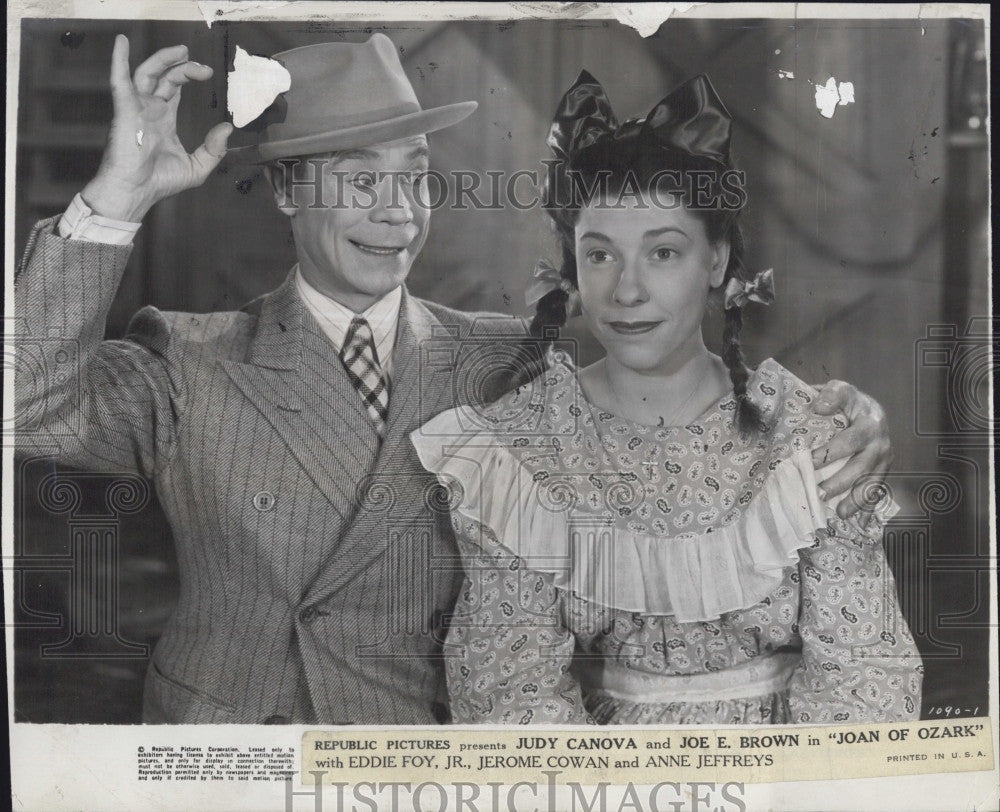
343 95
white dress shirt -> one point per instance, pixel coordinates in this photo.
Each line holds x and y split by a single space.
80 223
334 318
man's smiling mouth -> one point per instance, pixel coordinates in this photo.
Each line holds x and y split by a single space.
378 250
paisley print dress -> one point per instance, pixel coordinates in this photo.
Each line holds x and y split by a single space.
619 573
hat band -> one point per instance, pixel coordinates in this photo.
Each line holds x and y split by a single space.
302 129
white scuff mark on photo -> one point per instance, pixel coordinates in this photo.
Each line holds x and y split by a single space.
827 98
646 18
254 83
831 95
219 9
138 137
785 74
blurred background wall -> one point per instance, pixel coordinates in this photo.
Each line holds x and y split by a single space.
875 222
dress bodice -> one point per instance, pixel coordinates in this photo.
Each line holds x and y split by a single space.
671 551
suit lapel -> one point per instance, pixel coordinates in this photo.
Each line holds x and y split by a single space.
421 388
296 380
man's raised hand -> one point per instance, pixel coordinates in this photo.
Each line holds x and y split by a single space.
144 161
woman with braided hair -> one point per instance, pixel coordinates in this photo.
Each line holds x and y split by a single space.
644 539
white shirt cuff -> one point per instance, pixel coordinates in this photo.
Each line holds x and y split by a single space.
80 223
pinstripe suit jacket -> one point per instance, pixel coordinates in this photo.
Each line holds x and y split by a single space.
317 568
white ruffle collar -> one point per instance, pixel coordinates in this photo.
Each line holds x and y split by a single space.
695 577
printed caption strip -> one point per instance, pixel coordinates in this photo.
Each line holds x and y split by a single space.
640 756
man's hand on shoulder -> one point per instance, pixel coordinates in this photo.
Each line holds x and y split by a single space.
144 160
864 443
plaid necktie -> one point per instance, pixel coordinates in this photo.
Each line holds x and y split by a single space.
361 362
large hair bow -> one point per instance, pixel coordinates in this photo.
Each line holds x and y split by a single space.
691 119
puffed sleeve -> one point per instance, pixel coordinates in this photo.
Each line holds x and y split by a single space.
508 650
859 662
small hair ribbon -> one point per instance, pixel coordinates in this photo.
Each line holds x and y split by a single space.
759 289
547 279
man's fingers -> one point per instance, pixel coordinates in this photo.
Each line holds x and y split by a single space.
866 493
150 71
864 444
217 139
861 465
833 396
847 442
859 436
179 75
121 79
208 155
864 517
843 479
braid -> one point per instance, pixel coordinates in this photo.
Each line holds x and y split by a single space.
551 308
550 316
549 312
749 418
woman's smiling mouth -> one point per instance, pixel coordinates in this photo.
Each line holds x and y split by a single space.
378 250
629 328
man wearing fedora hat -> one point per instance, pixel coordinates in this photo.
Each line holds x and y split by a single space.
316 557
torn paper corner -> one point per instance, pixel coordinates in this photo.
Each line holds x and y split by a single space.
213 11
646 18
831 95
254 83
